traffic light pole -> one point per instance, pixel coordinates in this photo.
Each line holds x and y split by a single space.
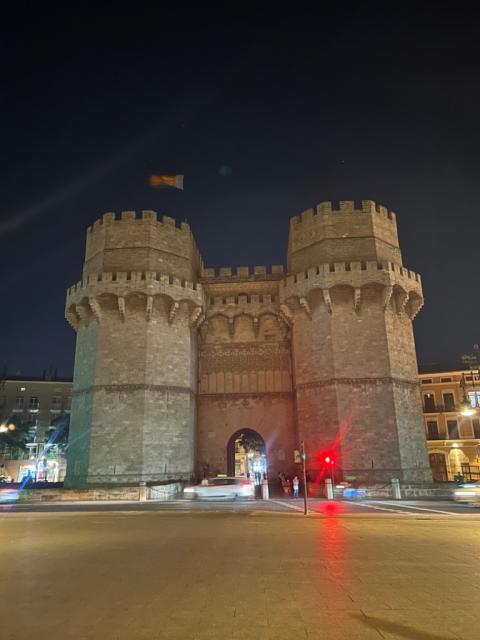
304 469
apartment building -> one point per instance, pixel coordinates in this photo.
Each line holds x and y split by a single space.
451 407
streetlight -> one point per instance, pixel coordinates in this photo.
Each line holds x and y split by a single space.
467 408
6 427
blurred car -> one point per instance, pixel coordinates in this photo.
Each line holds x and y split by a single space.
7 494
222 488
468 492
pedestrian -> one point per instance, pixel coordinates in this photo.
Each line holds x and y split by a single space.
286 486
296 485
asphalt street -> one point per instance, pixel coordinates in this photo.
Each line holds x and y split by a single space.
316 507
194 570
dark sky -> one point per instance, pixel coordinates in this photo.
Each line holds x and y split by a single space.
266 115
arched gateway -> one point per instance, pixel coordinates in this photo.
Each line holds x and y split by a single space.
247 454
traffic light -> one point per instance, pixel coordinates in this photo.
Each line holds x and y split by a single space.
329 460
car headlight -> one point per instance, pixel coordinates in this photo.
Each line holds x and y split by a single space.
189 490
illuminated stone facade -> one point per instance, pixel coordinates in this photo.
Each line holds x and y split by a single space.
173 358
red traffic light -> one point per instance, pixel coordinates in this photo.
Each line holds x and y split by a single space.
329 460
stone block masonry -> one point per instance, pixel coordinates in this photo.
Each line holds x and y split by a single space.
173 359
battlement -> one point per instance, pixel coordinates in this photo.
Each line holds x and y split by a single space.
242 300
134 277
329 233
139 240
368 207
348 268
242 273
356 275
137 217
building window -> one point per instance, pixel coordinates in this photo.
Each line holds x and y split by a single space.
429 402
452 428
19 400
56 402
445 379
476 428
449 401
32 419
474 397
432 430
427 381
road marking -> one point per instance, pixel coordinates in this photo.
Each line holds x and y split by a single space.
371 506
448 513
287 504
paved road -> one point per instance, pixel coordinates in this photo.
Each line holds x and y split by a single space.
317 507
206 571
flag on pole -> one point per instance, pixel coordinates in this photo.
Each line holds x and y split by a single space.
163 180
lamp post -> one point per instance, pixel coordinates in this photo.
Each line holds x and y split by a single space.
467 408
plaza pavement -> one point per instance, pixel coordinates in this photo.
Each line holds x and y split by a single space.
347 572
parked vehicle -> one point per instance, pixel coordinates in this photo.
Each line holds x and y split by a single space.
222 488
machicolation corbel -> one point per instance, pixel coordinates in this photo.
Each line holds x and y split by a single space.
328 300
95 307
121 307
357 292
149 308
195 316
387 296
173 311
305 306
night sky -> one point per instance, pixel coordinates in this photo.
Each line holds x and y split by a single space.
265 115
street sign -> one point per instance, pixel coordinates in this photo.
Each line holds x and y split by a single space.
297 456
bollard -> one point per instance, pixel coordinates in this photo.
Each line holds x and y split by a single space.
329 488
142 492
397 492
265 492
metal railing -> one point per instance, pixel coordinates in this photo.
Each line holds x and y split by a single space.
471 472
441 408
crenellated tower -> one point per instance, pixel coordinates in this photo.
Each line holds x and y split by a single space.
175 362
135 312
350 303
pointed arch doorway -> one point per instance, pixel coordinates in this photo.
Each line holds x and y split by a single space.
247 455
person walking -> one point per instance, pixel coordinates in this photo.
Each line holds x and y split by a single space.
286 486
296 485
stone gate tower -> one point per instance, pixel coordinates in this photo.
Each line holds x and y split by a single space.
174 360
135 313
351 303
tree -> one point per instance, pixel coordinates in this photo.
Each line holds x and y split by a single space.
14 440
59 432
251 441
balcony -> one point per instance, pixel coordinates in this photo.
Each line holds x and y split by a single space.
441 408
